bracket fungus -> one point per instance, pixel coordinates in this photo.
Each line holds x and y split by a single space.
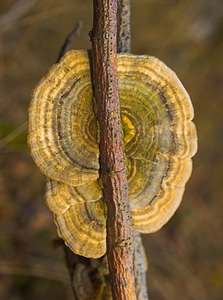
159 141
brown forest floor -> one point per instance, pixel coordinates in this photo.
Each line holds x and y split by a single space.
186 256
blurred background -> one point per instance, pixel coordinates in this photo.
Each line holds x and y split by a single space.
186 256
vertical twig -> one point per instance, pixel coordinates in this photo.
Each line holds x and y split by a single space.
124 45
124 29
140 268
112 163
73 261
69 40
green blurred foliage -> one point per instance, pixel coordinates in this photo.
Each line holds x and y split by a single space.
185 257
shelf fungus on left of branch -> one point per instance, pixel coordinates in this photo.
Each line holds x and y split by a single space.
159 140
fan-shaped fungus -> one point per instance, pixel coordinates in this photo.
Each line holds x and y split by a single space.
159 140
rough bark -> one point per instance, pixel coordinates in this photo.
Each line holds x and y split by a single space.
112 163
124 45
87 277
124 30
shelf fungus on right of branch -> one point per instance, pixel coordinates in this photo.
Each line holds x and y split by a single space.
159 139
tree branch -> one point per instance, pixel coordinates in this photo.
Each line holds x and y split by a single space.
124 29
90 280
69 40
124 45
112 163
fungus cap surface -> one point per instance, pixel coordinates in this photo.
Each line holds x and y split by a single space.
159 140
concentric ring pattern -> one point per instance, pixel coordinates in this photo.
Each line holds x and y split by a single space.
159 139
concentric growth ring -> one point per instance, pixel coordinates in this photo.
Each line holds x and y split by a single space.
159 140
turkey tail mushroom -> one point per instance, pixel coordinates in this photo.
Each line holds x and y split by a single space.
159 139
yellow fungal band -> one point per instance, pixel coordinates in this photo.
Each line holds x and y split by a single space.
159 140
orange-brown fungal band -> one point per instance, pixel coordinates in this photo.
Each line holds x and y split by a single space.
159 141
